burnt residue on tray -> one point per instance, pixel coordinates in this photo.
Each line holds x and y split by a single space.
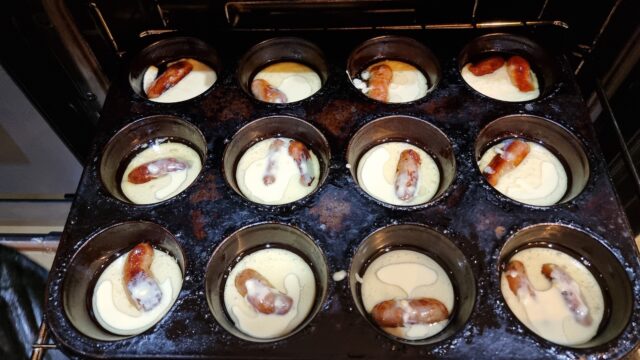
338 217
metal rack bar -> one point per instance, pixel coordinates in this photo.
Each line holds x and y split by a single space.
447 26
42 345
105 28
542 10
603 27
624 150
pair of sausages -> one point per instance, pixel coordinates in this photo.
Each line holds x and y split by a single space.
521 286
518 69
513 153
406 177
265 299
262 90
144 292
300 154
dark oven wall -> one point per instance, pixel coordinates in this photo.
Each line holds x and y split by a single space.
79 46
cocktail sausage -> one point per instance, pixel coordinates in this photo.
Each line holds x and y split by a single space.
262 296
399 313
169 78
140 284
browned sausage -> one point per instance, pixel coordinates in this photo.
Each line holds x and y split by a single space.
407 173
399 313
512 155
270 172
155 169
170 77
570 291
518 280
486 66
300 154
520 73
141 287
262 296
262 90
379 80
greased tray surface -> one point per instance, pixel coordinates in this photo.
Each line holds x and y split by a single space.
339 215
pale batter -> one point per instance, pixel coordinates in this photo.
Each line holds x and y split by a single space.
406 274
377 170
547 315
199 80
289 274
295 80
166 186
287 186
407 84
540 179
497 85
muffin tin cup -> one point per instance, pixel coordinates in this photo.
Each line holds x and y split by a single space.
611 276
271 127
541 61
138 134
94 256
435 245
399 48
247 240
408 129
277 50
167 50
553 136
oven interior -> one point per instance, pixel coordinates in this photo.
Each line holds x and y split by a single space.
78 47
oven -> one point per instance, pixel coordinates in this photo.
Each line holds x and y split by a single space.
85 47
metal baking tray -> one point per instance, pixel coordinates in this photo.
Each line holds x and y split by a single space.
473 225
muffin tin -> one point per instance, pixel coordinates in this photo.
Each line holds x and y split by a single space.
469 227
